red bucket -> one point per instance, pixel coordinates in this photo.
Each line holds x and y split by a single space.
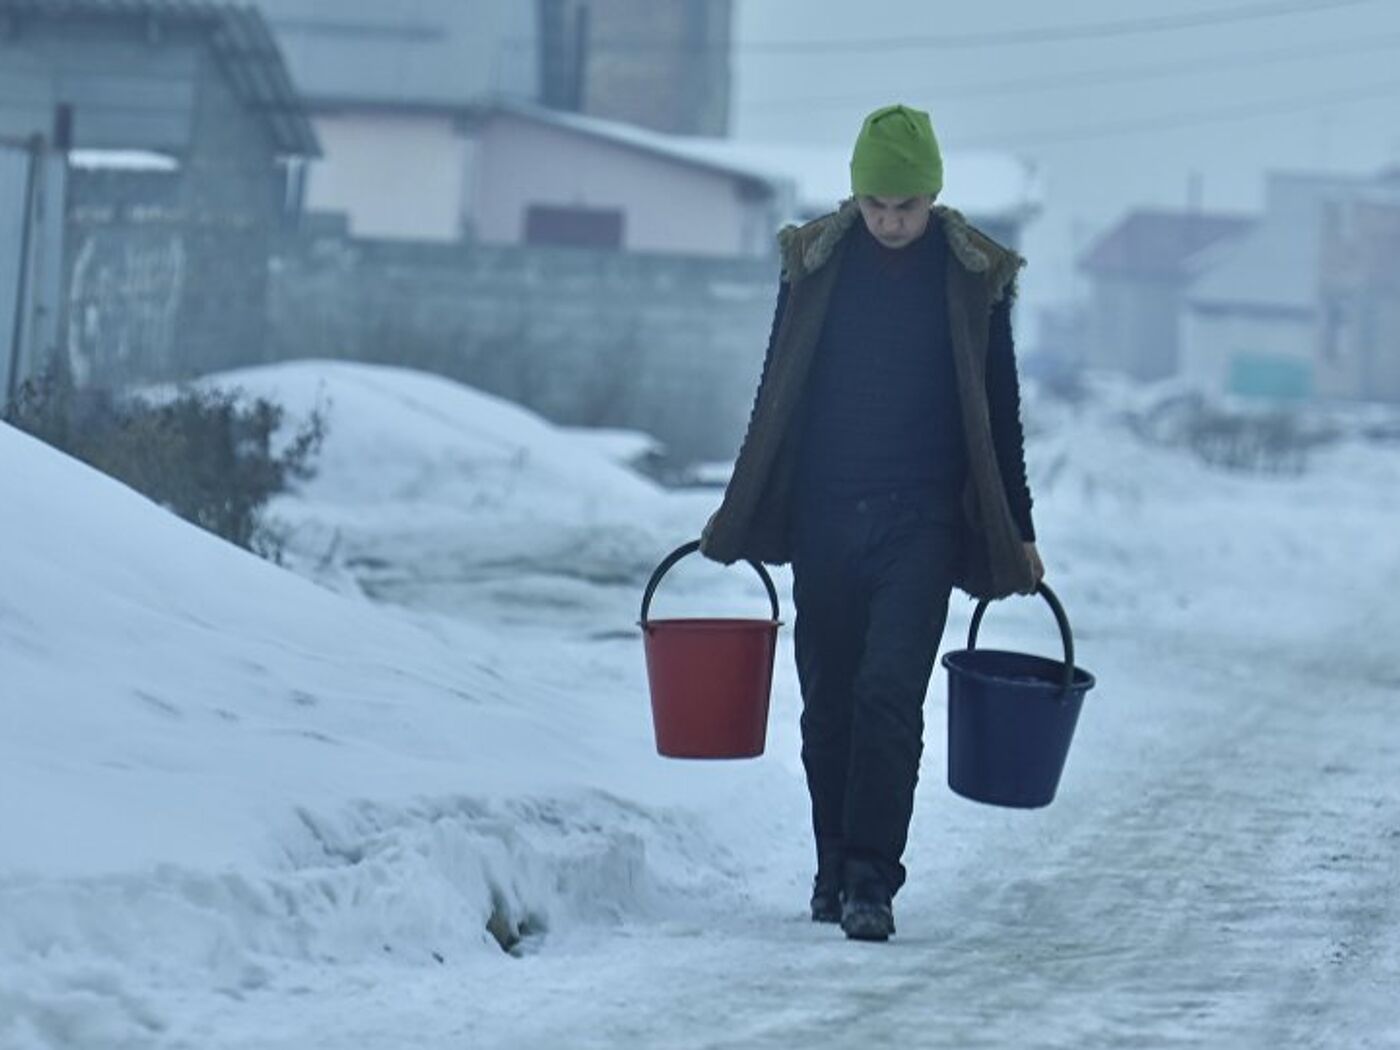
710 679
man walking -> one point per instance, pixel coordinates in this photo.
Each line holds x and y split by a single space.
884 459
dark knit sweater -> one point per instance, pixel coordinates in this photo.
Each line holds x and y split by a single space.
880 409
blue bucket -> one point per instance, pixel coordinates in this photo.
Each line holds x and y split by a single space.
1011 717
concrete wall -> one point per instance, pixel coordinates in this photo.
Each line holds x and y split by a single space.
520 163
167 273
126 277
393 175
667 344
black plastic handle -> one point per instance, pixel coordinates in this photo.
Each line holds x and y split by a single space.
690 548
1066 636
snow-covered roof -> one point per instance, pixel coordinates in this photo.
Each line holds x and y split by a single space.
121 160
674 147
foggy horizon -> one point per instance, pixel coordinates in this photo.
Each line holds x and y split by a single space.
1282 57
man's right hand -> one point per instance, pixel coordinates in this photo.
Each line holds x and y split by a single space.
705 532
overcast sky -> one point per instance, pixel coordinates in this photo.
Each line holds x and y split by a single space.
1112 120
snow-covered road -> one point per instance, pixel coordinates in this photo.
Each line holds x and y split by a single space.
266 817
1222 870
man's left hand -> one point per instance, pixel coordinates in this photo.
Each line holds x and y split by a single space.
1037 566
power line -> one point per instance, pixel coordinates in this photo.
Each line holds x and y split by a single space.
1136 126
1091 78
993 38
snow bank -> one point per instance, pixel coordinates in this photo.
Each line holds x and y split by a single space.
211 768
423 480
238 809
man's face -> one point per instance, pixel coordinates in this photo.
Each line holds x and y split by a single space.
895 221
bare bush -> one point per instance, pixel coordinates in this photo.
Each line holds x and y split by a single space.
205 455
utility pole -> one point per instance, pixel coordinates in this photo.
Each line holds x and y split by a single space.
579 88
31 282
35 146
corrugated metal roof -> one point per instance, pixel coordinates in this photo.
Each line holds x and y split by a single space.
659 143
240 38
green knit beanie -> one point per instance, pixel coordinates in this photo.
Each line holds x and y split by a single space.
896 155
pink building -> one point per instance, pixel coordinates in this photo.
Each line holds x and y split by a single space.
540 176
514 173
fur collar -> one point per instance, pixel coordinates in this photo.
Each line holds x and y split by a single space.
805 249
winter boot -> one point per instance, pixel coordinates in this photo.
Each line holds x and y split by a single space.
826 898
826 887
867 913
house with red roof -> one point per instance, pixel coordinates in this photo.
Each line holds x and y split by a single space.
1140 270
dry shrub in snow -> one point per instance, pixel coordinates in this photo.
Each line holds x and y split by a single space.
208 456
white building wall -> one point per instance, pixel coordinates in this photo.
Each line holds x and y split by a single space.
396 175
1212 342
668 206
1263 293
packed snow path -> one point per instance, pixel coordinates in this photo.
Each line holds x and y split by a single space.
239 811
1230 879
1222 867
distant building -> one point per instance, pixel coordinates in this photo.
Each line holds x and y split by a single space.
999 192
658 64
546 177
1139 270
388 87
1360 340
450 121
189 141
393 88
1299 306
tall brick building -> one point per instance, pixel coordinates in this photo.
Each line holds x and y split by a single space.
661 64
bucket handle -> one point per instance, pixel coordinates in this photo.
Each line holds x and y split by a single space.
690 548
1066 636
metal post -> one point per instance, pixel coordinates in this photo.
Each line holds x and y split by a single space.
579 88
35 146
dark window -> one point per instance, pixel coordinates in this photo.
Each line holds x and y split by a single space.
576 227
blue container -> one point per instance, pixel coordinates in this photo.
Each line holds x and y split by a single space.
1011 717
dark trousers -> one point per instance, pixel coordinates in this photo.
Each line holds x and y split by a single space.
871 581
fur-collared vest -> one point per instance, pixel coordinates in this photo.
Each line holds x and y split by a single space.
755 519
